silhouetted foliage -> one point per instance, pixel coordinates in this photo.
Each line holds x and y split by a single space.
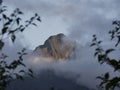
103 56
10 25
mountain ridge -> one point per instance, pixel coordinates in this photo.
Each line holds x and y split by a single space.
56 47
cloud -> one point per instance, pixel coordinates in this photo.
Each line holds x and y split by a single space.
83 70
84 18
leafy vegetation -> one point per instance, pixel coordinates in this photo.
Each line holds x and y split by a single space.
11 24
103 56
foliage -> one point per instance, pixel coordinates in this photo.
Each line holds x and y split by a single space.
10 26
103 56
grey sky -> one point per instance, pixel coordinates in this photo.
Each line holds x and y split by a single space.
77 18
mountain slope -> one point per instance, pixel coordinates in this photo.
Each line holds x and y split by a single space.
45 81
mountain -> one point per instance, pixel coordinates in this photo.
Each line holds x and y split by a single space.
56 47
45 81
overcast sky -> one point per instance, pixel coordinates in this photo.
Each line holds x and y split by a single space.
78 19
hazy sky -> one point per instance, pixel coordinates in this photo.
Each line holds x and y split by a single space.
78 19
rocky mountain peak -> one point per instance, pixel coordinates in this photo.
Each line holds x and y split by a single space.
56 47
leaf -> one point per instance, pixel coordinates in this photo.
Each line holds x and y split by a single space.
30 71
4 16
21 71
99 42
93 44
13 37
8 23
19 53
34 24
39 19
112 83
106 76
1 44
22 29
114 63
117 41
99 77
95 54
109 50
20 12
31 75
18 21
4 30
20 77
21 63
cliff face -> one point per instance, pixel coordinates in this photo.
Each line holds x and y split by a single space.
56 47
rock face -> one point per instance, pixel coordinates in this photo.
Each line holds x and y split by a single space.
57 47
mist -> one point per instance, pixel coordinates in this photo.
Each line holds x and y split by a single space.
79 19
83 69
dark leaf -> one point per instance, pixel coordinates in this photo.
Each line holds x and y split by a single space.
4 30
4 16
34 24
36 14
99 42
117 41
1 44
21 63
109 50
20 12
20 77
114 22
21 71
13 37
93 44
31 75
7 23
22 29
18 20
39 19
106 76
96 53
99 77
112 83
30 71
